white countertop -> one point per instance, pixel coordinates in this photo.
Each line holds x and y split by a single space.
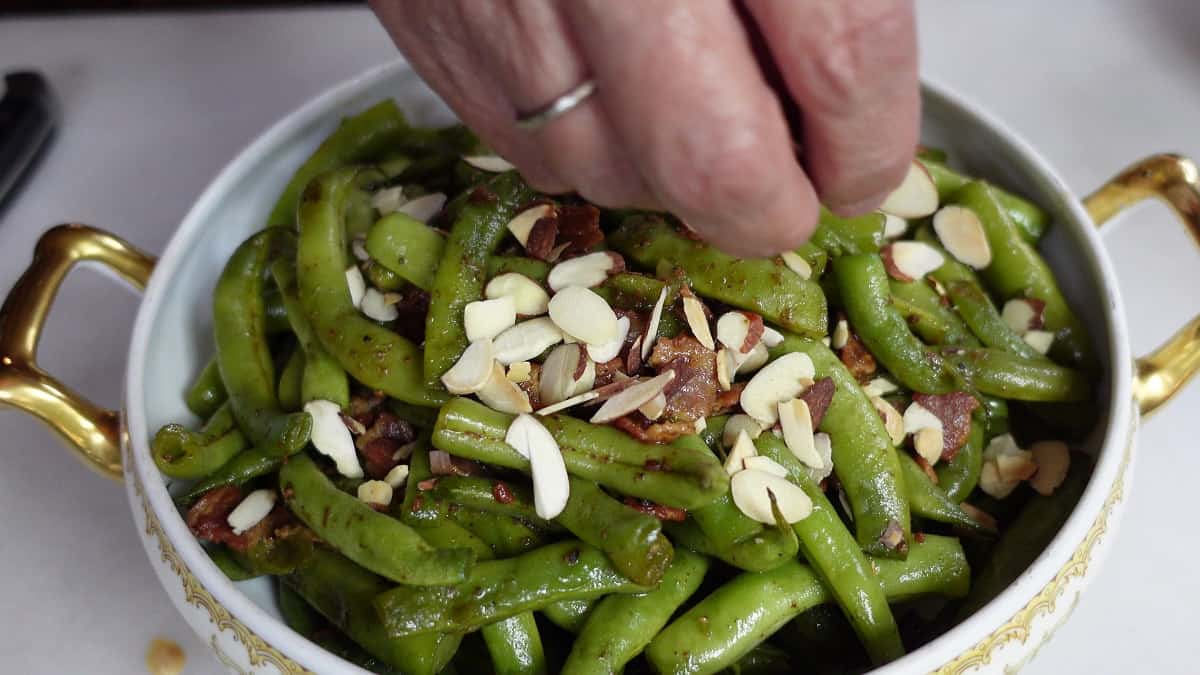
154 105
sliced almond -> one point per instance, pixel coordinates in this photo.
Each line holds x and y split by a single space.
892 420
425 207
726 368
498 393
992 484
388 200
251 510
1017 467
736 331
795 420
879 386
752 491
612 349
571 402
529 298
563 373
1053 459
358 287
526 340
1019 314
840 335
331 437
472 370
916 197
632 398
741 449
655 407
826 341
397 476
1041 340
489 163
489 318
700 425
771 337
551 487
918 417
894 227
358 246
764 463
929 442
963 236
519 372
780 380
915 259
748 363
652 325
586 270
697 320
737 424
376 306
582 314
797 264
522 223
824 447
375 493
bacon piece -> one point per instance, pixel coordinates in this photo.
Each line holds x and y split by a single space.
579 229
754 333
693 392
482 195
412 310
635 424
954 410
501 493
540 244
606 372
657 510
364 405
857 359
1038 321
208 517
728 400
379 443
818 397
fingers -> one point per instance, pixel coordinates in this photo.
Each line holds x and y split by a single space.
852 68
703 130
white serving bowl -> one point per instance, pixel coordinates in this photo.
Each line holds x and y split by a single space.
172 340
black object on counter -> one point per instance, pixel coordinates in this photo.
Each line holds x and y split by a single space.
28 116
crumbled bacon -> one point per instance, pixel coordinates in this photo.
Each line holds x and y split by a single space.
384 435
444 464
501 493
728 400
818 397
693 392
532 386
364 405
208 519
754 333
606 372
412 310
579 229
657 510
1038 321
954 410
540 243
482 195
857 359
647 431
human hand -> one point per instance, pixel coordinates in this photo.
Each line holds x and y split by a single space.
683 118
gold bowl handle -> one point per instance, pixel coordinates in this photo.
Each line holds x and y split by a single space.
93 432
1176 180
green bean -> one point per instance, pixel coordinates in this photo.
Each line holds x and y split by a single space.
632 540
530 267
377 542
1017 270
342 592
764 659
245 466
243 355
277 322
370 353
307 622
569 615
515 645
418 416
931 502
815 256
1030 219
357 139
765 550
498 589
281 553
604 454
864 458
291 381
928 154
730 622
223 558
863 283
977 310
480 225
181 453
935 323
999 373
959 476
839 236
833 553
296 613
446 533
765 286
633 291
407 247
323 378
479 493
207 392
384 279
621 626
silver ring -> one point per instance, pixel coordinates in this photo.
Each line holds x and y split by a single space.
556 108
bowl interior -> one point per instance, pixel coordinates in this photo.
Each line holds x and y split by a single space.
173 341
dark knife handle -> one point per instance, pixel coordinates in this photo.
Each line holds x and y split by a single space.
28 116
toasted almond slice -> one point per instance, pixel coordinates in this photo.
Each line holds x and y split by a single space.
726 368
752 490
1016 467
526 340
764 463
529 298
519 372
498 393
375 493
892 420
632 398
655 407
405 451
894 227
741 448
962 234
489 318
693 311
796 421
375 306
824 446
251 510
582 314
840 335
929 442
879 386
392 298
1041 340
797 264
523 222
1053 459
1020 315
916 197
388 200
652 324
397 476
331 437
565 374
425 207
917 417
471 372
993 484
551 487
358 247
612 349
771 337
737 424
700 425
586 270
748 363
915 259
780 380
489 163
358 287
571 402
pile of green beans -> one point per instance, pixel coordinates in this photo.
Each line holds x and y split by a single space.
652 565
